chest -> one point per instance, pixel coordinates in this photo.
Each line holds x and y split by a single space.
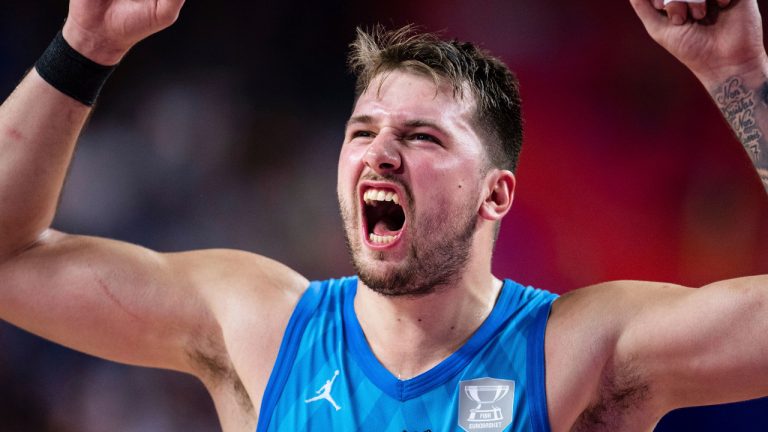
325 376
330 380
338 393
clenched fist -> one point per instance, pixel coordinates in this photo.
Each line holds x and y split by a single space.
714 40
104 30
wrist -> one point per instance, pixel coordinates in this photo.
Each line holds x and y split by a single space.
92 46
71 73
752 73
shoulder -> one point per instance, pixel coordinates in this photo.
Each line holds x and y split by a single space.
225 276
248 295
586 381
249 299
607 308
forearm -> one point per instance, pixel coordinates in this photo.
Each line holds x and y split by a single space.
39 126
742 97
727 54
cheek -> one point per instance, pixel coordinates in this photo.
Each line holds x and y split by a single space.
348 168
448 175
449 185
351 155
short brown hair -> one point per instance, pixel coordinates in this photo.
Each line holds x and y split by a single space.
494 86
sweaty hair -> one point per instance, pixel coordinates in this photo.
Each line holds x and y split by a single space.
462 65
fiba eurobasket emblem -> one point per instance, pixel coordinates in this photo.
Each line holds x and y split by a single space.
485 404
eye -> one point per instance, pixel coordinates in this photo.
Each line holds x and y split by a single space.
424 137
361 134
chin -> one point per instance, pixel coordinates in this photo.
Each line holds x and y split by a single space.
388 286
402 280
418 269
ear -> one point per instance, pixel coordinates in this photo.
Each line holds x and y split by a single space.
499 193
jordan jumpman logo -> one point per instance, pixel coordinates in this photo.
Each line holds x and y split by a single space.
325 392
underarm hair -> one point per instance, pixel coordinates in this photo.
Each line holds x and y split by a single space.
207 358
622 389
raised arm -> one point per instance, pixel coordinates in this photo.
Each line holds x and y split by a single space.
108 298
707 345
56 285
622 354
722 44
39 124
637 350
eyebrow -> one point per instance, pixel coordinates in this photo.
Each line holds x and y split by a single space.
423 123
360 119
366 119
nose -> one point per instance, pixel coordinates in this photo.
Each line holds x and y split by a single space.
383 154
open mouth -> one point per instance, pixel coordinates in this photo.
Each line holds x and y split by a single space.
384 217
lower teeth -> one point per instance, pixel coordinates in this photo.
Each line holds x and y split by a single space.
381 239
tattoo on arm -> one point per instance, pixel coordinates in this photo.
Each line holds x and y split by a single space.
743 109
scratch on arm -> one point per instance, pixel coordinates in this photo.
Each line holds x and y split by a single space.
104 287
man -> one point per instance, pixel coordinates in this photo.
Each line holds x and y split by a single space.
422 185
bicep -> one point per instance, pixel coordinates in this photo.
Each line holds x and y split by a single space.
107 298
700 346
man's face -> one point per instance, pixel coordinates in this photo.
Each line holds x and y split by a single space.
409 183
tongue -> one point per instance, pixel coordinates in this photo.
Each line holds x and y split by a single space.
381 229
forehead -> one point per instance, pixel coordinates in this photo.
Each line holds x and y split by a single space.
401 96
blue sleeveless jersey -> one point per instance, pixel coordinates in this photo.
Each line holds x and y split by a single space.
326 378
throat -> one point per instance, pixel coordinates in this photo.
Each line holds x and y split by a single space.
407 344
384 218
409 360
411 335
382 228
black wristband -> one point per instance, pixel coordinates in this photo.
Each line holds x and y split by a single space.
72 73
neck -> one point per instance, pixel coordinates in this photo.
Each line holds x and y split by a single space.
411 335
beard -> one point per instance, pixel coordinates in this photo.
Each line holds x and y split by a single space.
435 257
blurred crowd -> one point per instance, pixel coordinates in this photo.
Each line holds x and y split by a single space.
224 130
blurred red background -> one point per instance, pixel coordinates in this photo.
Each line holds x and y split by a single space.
224 131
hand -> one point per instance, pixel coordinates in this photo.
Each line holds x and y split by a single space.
104 30
714 40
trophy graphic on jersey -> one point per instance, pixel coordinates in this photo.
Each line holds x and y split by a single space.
486 404
485 396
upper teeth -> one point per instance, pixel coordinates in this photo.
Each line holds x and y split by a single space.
372 195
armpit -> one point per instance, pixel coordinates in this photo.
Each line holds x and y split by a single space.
623 395
217 369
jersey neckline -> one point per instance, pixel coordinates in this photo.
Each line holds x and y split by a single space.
403 390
